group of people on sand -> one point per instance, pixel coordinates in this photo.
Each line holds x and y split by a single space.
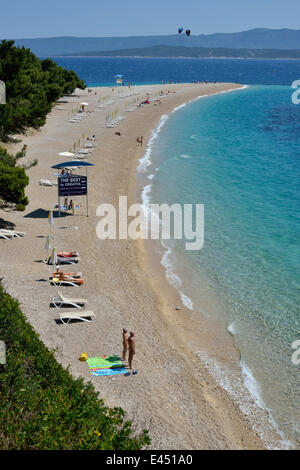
128 345
66 172
69 204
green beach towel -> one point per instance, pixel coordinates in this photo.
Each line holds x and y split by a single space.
106 362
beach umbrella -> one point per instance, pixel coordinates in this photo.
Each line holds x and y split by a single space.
84 104
50 217
72 164
53 257
66 154
48 243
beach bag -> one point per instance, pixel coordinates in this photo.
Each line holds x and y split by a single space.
83 356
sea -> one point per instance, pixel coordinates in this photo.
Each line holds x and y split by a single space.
238 153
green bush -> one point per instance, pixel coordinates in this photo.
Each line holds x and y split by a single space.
20 207
13 181
32 85
43 406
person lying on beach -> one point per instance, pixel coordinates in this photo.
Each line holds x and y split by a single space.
118 133
65 277
67 254
131 346
59 272
125 344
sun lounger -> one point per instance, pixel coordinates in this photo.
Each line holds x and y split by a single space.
83 316
62 260
13 233
6 236
68 254
47 183
81 156
70 260
62 300
89 146
67 277
55 281
72 274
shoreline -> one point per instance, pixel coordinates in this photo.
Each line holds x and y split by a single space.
173 392
261 419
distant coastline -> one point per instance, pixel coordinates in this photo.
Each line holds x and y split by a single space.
170 57
163 51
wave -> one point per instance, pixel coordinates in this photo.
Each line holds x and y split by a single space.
245 390
145 161
173 278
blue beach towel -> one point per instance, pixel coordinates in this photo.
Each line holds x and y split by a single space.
105 372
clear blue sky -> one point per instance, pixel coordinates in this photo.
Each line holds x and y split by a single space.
46 18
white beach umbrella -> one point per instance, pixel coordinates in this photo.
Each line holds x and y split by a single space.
53 258
84 104
48 243
66 154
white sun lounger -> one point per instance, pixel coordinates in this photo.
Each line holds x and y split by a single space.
61 260
6 236
89 146
54 281
83 316
62 300
81 157
13 233
66 260
47 183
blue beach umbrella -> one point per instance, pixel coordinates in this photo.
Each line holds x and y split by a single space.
72 163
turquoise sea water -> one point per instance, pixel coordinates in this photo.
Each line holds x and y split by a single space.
238 153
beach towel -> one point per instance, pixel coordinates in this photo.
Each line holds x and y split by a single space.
104 362
105 372
105 365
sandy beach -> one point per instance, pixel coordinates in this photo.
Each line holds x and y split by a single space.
173 395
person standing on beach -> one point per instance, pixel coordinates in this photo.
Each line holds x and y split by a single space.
125 343
140 140
131 344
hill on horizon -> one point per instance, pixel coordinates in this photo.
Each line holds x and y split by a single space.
196 52
259 38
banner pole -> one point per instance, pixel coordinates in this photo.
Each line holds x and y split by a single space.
87 194
58 196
